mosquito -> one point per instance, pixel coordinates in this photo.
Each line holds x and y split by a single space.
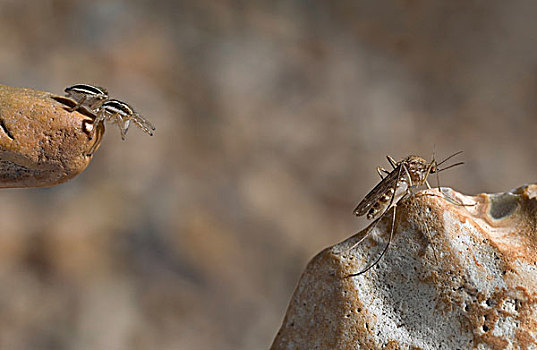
394 186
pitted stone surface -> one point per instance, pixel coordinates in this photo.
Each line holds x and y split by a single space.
455 277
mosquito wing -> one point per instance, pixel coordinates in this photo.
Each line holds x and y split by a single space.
390 181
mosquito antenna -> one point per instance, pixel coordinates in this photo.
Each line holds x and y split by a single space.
448 158
433 162
437 177
451 166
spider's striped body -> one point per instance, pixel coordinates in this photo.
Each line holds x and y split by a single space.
87 95
121 113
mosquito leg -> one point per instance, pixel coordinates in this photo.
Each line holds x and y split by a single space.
392 161
456 201
369 229
391 231
430 188
382 170
383 251
447 197
409 177
379 171
380 217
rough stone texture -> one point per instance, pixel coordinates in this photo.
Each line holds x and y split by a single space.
454 278
41 142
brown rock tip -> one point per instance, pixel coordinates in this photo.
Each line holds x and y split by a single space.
41 142
455 277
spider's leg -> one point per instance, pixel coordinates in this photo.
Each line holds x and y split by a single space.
125 126
101 116
96 105
78 104
143 124
120 123
100 134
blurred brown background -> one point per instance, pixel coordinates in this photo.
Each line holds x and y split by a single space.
271 118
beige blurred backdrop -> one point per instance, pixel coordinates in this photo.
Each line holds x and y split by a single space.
271 118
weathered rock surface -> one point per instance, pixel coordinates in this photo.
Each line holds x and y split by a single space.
454 278
41 142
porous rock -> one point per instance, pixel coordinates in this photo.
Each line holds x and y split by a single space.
454 277
41 142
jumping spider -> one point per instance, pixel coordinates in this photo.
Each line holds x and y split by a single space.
96 101
122 114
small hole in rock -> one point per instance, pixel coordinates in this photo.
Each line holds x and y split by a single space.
485 328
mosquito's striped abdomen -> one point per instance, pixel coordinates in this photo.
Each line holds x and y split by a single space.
380 204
